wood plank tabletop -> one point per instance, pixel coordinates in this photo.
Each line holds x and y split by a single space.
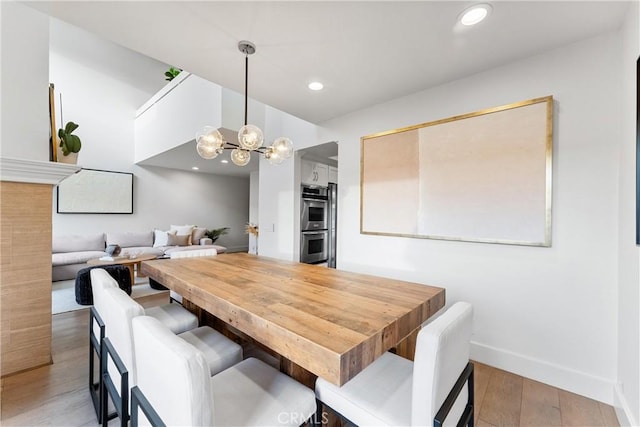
330 322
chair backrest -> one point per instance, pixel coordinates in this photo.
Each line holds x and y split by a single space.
173 374
120 309
442 353
193 253
101 280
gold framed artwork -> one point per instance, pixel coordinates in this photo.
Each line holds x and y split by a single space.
485 177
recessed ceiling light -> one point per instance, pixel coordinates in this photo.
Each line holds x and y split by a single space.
224 161
195 168
316 86
475 14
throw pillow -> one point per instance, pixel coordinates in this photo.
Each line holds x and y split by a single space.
177 240
161 238
183 230
198 233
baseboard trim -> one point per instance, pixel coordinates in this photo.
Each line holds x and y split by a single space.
623 412
561 377
231 249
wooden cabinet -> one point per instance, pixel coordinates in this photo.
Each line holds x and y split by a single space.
333 174
314 173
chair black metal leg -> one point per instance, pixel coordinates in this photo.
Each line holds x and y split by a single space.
317 422
139 400
120 401
471 401
95 343
467 416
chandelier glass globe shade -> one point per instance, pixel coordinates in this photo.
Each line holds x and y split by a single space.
273 157
283 147
250 137
240 157
209 142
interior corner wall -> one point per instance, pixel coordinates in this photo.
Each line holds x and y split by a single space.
24 82
254 207
103 85
549 314
627 392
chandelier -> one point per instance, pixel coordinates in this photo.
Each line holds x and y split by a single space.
210 142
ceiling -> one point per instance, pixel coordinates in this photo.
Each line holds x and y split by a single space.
365 52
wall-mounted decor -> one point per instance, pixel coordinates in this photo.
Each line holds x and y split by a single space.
478 177
53 141
638 151
96 192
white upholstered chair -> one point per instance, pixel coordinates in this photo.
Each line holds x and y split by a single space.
173 376
219 351
189 254
176 317
395 391
100 280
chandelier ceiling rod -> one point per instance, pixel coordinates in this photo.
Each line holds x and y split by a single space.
247 48
246 86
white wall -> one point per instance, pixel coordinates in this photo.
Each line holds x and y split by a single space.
546 313
173 119
627 390
103 85
24 83
279 190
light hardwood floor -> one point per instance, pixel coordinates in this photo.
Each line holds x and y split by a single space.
57 394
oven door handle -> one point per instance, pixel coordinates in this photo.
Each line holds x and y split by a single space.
308 233
314 199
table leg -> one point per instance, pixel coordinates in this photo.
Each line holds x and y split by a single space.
407 347
132 274
298 373
140 273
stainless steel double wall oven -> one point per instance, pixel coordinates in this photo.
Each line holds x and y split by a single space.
314 224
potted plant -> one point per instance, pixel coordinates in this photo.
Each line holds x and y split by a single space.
172 73
69 143
215 233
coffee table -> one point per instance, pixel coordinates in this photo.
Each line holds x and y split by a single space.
130 263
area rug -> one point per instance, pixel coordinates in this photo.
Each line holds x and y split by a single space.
64 294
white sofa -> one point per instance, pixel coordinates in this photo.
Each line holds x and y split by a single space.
70 253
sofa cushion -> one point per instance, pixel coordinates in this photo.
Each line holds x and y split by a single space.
197 234
182 230
161 238
77 243
139 250
179 240
130 238
80 257
219 249
65 272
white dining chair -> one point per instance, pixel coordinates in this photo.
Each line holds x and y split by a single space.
173 377
100 280
119 375
189 254
176 317
435 389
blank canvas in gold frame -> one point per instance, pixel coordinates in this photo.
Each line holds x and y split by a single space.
479 177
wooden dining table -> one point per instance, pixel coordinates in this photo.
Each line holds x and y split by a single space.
321 321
